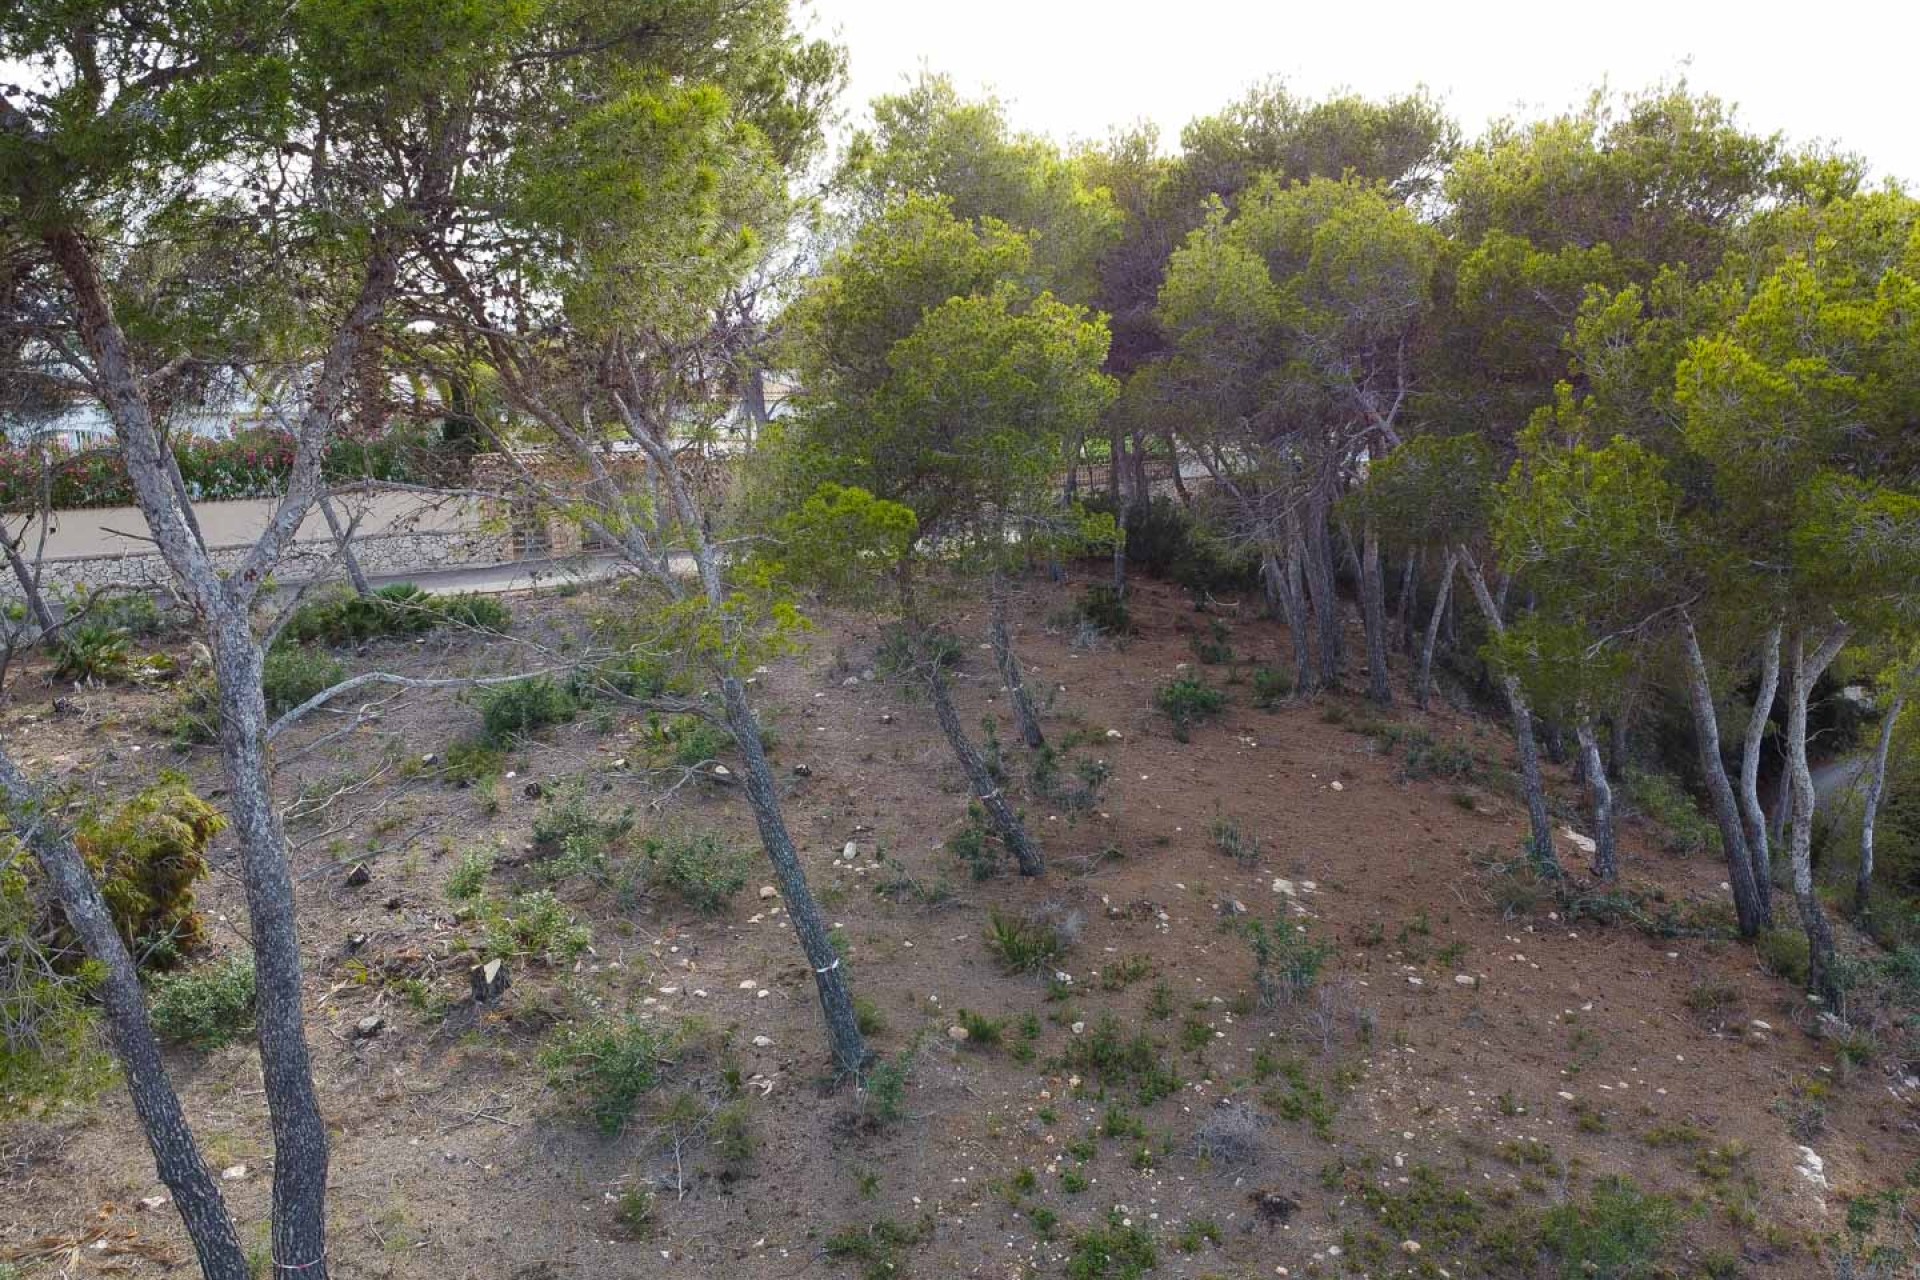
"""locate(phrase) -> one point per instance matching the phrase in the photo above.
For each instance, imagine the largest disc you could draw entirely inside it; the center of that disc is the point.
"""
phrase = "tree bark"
(1425, 683)
(1606, 863)
(1758, 850)
(1750, 909)
(1876, 785)
(1539, 822)
(829, 978)
(1373, 609)
(1806, 671)
(29, 581)
(1320, 587)
(1403, 609)
(1012, 832)
(299, 1129)
(176, 1156)
(1299, 624)
(1004, 657)
(342, 538)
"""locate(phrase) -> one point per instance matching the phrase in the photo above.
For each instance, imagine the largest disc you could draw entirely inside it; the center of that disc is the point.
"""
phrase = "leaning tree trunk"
(1539, 822)
(1876, 786)
(1425, 682)
(1758, 850)
(1750, 908)
(1116, 448)
(1403, 610)
(29, 581)
(1004, 657)
(1320, 587)
(1821, 980)
(1373, 609)
(1013, 833)
(343, 540)
(829, 979)
(176, 1156)
(1606, 863)
(299, 1129)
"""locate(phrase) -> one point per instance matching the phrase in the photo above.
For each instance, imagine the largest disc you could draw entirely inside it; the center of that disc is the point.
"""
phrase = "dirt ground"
(1469, 1056)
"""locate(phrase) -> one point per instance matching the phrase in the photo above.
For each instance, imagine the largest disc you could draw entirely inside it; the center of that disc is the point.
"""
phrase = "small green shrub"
(1684, 829)
(534, 925)
(469, 761)
(147, 856)
(469, 878)
(982, 1032)
(977, 845)
(1105, 610)
(207, 1006)
(473, 611)
(290, 676)
(1187, 700)
(1117, 1251)
(1271, 687)
(1287, 960)
(1023, 945)
(401, 609)
(1783, 953)
(1107, 1053)
(702, 870)
(94, 652)
(603, 1068)
(523, 707)
(1618, 1233)
(1075, 792)
(1229, 838)
(880, 1248)
(634, 1212)
(1215, 648)
(883, 1094)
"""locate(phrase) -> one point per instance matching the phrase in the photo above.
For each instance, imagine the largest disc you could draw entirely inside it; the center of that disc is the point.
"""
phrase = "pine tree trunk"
(1299, 624)
(1320, 587)
(1440, 601)
(1007, 823)
(351, 562)
(1876, 786)
(1539, 822)
(1606, 863)
(1116, 448)
(1403, 610)
(1806, 669)
(829, 978)
(1004, 657)
(176, 1156)
(1758, 851)
(1373, 608)
(1750, 909)
(299, 1129)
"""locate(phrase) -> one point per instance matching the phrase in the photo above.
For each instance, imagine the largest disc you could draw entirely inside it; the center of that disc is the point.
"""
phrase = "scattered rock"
(956, 1033)
(1409, 1247)
(356, 941)
(1584, 844)
(360, 873)
(489, 981)
(1812, 1168)
(1284, 887)
(1233, 907)
(368, 1027)
(768, 893)
(1114, 733)
(721, 771)
(1465, 979)
(533, 791)
(1336, 785)
(763, 1042)
(803, 771)
(233, 1173)
(430, 758)
(152, 1202)
(886, 717)
(850, 850)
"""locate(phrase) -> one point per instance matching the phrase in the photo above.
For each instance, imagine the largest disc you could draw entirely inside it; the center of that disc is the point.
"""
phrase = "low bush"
(1118, 1251)
(1617, 1233)
(1023, 945)
(147, 856)
(535, 926)
(290, 676)
(1287, 960)
(49, 1053)
(1684, 829)
(603, 1068)
(1107, 1053)
(1105, 610)
(1271, 687)
(521, 708)
(207, 1006)
(1231, 839)
(1187, 700)
(702, 870)
(94, 652)
(401, 609)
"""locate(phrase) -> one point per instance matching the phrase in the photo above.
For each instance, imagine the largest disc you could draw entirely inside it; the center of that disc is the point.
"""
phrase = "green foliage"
(1117, 1251)
(207, 1006)
(469, 878)
(1287, 960)
(1074, 792)
(49, 1053)
(522, 708)
(1271, 687)
(469, 761)
(1617, 1233)
(603, 1068)
(880, 1248)
(147, 856)
(535, 926)
(703, 870)
(978, 845)
(1105, 610)
(291, 675)
(1188, 699)
(95, 652)
(1684, 828)
(1783, 953)
(1105, 1052)
(1216, 646)
(1231, 839)
(1024, 945)
(399, 609)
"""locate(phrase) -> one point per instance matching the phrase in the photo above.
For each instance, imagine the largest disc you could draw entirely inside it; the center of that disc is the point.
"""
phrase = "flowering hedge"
(252, 464)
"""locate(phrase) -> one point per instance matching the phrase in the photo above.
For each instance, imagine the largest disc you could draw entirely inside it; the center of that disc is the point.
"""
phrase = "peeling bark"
(1750, 909)
(1806, 669)
(1440, 601)
(1758, 850)
(1605, 860)
(1876, 786)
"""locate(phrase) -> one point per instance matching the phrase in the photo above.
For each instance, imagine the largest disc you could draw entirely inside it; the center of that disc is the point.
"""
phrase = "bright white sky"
(1838, 70)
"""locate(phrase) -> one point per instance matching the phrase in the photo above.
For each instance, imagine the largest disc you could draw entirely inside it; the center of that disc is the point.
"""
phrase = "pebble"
(768, 893)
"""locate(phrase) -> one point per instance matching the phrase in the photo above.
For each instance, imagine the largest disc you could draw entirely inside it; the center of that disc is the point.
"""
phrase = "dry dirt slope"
(1469, 1058)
